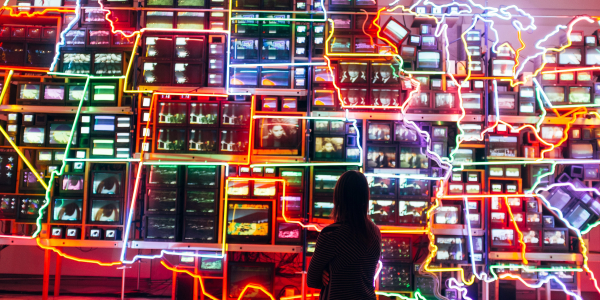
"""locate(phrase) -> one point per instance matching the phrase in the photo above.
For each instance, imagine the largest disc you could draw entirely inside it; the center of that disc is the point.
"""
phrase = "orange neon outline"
(38, 13)
(514, 222)
(198, 276)
(84, 260)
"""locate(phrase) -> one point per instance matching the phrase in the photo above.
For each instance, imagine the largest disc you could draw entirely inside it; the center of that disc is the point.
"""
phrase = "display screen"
(395, 31)
(323, 75)
(412, 158)
(275, 77)
(412, 212)
(54, 92)
(161, 228)
(29, 92)
(323, 98)
(429, 59)
(201, 176)
(199, 229)
(414, 187)
(34, 135)
(580, 94)
(353, 72)
(503, 237)
(444, 100)
(379, 132)
(552, 133)
(503, 67)
(293, 178)
(241, 275)
(471, 100)
(162, 201)
(582, 151)
(447, 215)
(288, 231)
(72, 182)
(28, 207)
(382, 212)
(451, 248)
(555, 237)
(211, 263)
(200, 201)
(67, 209)
(248, 219)
(578, 216)
(238, 188)
(60, 134)
(381, 157)
(163, 175)
(106, 210)
(570, 56)
(382, 186)
(106, 183)
(104, 123)
(592, 56)
(278, 133)
(329, 148)
(265, 188)
(322, 209)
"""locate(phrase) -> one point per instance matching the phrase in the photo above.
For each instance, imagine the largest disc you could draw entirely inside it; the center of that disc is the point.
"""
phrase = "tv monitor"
(8, 206)
(279, 78)
(200, 202)
(160, 228)
(570, 57)
(323, 75)
(264, 189)
(380, 132)
(578, 216)
(33, 136)
(294, 178)
(382, 187)
(188, 74)
(557, 197)
(242, 274)
(293, 205)
(199, 229)
(381, 156)
(103, 94)
(105, 211)
(161, 201)
(288, 233)
(156, 73)
(201, 176)
(394, 248)
(353, 73)
(448, 214)
(555, 239)
(382, 212)
(323, 99)
(29, 182)
(189, 48)
(403, 134)
(321, 209)
(445, 101)
(67, 210)
(162, 175)
(408, 52)
(503, 146)
(107, 183)
(211, 264)
(451, 249)
(54, 94)
(582, 150)
(502, 238)
(71, 184)
(59, 133)
(502, 67)
(28, 207)
(592, 56)
(245, 49)
(329, 148)
(394, 31)
(413, 188)
(412, 212)
(28, 93)
(552, 133)
(395, 277)
(278, 135)
(103, 125)
(249, 222)
(580, 94)
(429, 60)
(413, 158)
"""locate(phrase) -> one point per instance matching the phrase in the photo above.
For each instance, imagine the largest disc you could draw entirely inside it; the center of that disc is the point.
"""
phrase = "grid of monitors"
(202, 127)
(186, 199)
(396, 145)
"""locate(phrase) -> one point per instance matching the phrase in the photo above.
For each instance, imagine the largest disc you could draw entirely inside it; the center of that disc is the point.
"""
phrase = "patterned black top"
(351, 264)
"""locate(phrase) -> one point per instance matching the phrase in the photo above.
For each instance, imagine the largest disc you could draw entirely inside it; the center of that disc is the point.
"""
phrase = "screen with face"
(381, 157)
(278, 133)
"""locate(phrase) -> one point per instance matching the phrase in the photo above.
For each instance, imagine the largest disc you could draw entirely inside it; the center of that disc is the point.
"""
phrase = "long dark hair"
(351, 203)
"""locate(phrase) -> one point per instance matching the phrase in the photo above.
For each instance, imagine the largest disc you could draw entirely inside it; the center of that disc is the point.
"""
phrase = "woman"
(347, 252)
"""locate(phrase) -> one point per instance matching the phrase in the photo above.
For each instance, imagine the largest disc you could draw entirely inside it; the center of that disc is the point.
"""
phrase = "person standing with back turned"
(347, 252)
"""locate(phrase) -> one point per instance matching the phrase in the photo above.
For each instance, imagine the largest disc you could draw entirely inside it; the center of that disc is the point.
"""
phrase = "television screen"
(502, 67)
(395, 32)
(340, 44)
(428, 59)
(189, 48)
(578, 94)
(451, 248)
(200, 201)
(444, 100)
(328, 148)
(324, 182)
(384, 73)
(275, 77)
(245, 48)
(412, 158)
(172, 113)
(104, 123)
(34, 135)
(104, 93)
(578, 216)
(322, 209)
(555, 237)
(570, 56)
(7, 205)
(293, 205)
(379, 132)
(293, 178)
(106, 183)
(202, 140)
(353, 72)
(246, 219)
(552, 133)
(72, 182)
(582, 151)
(106, 210)
(240, 275)
(414, 187)
(558, 198)
(471, 100)
(29, 92)
(592, 56)
(204, 113)
(448, 215)
(211, 263)
(323, 75)
(278, 133)
(157, 73)
(381, 157)
(323, 98)
(379, 186)
(412, 212)
(288, 231)
(504, 146)
(357, 96)
(238, 188)
(67, 209)
(163, 175)
(186, 73)
(405, 134)
(28, 207)
(162, 201)
(265, 188)
(54, 92)
(60, 134)
(382, 212)
(199, 229)
(201, 176)
(159, 227)
(503, 238)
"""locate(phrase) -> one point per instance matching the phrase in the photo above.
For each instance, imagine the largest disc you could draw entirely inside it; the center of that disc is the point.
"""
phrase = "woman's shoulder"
(332, 227)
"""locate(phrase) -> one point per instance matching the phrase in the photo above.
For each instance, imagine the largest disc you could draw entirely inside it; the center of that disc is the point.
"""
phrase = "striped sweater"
(351, 265)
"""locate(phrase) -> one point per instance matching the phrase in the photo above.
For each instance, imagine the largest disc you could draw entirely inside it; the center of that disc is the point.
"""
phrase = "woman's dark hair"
(351, 203)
